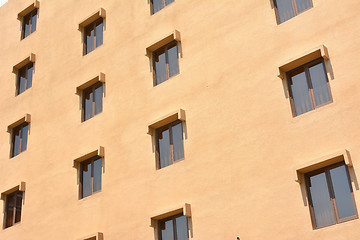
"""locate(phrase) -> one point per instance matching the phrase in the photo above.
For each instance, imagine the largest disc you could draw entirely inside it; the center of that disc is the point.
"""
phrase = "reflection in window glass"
(173, 228)
(86, 179)
(164, 148)
(92, 101)
(93, 35)
(91, 171)
(29, 24)
(24, 78)
(160, 66)
(99, 33)
(178, 143)
(173, 60)
(319, 84)
(19, 139)
(300, 93)
(165, 62)
(97, 174)
(287, 9)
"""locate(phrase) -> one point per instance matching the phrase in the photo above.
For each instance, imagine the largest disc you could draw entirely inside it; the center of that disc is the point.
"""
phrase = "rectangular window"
(165, 62)
(169, 144)
(173, 228)
(93, 35)
(92, 100)
(13, 205)
(157, 5)
(309, 87)
(286, 9)
(24, 78)
(29, 23)
(90, 176)
(330, 195)
(19, 139)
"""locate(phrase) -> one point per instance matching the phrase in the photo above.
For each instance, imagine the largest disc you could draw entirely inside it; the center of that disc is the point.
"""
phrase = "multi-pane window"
(286, 9)
(29, 23)
(173, 228)
(92, 100)
(165, 62)
(169, 144)
(24, 78)
(93, 35)
(309, 87)
(90, 176)
(157, 5)
(13, 205)
(19, 139)
(330, 195)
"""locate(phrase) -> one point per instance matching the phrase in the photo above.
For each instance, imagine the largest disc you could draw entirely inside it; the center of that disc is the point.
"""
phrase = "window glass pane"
(33, 21)
(10, 207)
(177, 139)
(86, 179)
(18, 207)
(22, 80)
(99, 33)
(300, 93)
(26, 26)
(167, 2)
(98, 99)
(285, 10)
(164, 148)
(181, 228)
(168, 232)
(16, 141)
(24, 136)
(173, 60)
(157, 5)
(88, 104)
(303, 5)
(160, 66)
(29, 76)
(319, 82)
(321, 200)
(344, 200)
(97, 174)
(89, 38)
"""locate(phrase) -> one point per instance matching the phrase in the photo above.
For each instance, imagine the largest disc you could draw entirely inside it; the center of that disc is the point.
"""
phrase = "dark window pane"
(167, 2)
(99, 33)
(320, 84)
(22, 80)
(24, 136)
(342, 191)
(18, 207)
(181, 228)
(29, 76)
(89, 38)
(321, 200)
(97, 174)
(178, 145)
(33, 21)
(10, 207)
(26, 26)
(173, 60)
(98, 99)
(86, 179)
(160, 66)
(303, 5)
(164, 148)
(88, 104)
(157, 5)
(285, 10)
(167, 230)
(16, 141)
(300, 93)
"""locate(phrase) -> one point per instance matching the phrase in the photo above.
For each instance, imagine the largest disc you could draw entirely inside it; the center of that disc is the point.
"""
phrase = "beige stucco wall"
(242, 144)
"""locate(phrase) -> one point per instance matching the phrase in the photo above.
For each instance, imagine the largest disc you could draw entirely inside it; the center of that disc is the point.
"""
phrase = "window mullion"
(174, 228)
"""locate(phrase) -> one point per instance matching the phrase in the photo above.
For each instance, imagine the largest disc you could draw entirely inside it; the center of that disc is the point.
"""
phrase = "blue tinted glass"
(24, 137)
(86, 179)
(26, 26)
(300, 93)
(320, 84)
(160, 67)
(178, 145)
(303, 5)
(33, 22)
(98, 99)
(16, 141)
(88, 104)
(181, 228)
(157, 5)
(285, 10)
(167, 2)
(97, 174)
(173, 60)
(164, 148)
(99, 33)
(29, 76)
(89, 39)
(22, 80)
(167, 233)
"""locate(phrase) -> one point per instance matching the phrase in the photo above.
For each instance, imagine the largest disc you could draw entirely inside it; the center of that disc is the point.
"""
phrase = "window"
(173, 228)
(309, 87)
(157, 5)
(29, 23)
(165, 62)
(169, 144)
(286, 9)
(330, 195)
(19, 139)
(96, 236)
(13, 205)
(90, 176)
(93, 35)
(24, 78)
(92, 100)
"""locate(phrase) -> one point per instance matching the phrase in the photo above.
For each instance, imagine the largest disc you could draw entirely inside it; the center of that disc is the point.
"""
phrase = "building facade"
(180, 119)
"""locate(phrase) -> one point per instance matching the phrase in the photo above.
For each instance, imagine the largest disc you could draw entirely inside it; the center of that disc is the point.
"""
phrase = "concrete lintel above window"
(34, 5)
(308, 56)
(171, 117)
(95, 236)
(30, 58)
(98, 152)
(174, 35)
(25, 118)
(101, 13)
(20, 187)
(339, 156)
(184, 209)
(98, 78)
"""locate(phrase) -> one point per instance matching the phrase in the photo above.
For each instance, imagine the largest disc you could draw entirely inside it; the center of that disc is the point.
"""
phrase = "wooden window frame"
(154, 55)
(21, 126)
(24, 68)
(163, 6)
(92, 89)
(14, 208)
(326, 170)
(30, 15)
(305, 68)
(92, 24)
(82, 163)
(294, 6)
(159, 222)
(157, 153)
